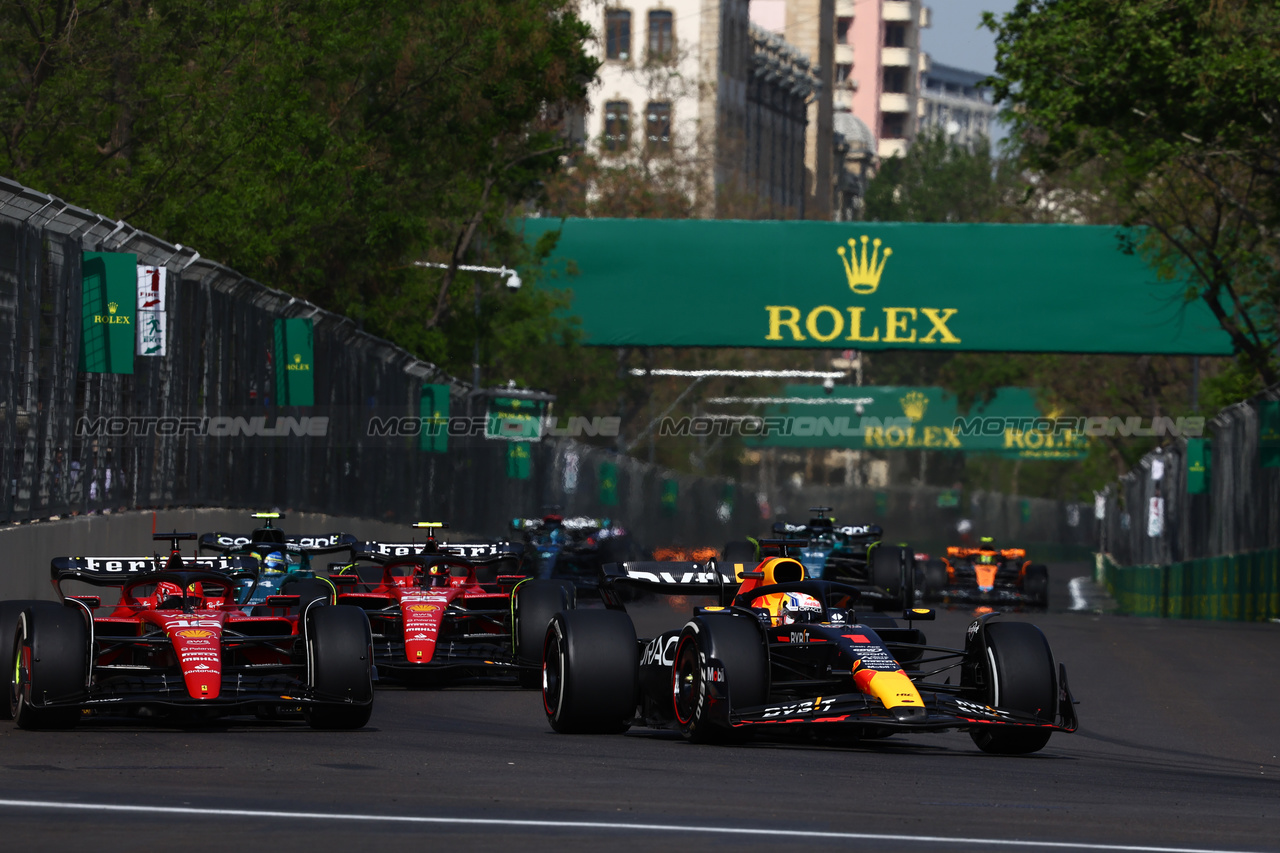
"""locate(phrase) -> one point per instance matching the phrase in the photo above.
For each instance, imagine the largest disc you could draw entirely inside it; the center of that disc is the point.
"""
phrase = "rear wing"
(467, 550)
(326, 543)
(860, 530)
(113, 571)
(666, 578)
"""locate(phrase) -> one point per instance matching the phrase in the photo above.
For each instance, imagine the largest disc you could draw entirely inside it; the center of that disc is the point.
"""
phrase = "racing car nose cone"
(907, 715)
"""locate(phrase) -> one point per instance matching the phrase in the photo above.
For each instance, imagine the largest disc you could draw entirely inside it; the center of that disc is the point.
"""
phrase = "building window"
(895, 35)
(617, 125)
(842, 30)
(657, 126)
(895, 79)
(843, 70)
(617, 34)
(893, 125)
(662, 43)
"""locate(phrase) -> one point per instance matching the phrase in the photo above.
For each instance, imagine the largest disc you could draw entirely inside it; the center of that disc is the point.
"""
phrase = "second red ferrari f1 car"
(780, 651)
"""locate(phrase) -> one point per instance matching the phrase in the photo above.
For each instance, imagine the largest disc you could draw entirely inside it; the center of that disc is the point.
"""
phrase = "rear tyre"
(1020, 676)
(886, 569)
(590, 670)
(10, 611)
(739, 644)
(1035, 586)
(935, 579)
(533, 604)
(340, 667)
(50, 664)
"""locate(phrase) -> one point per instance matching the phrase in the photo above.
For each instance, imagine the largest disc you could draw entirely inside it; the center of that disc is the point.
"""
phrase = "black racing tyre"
(935, 579)
(51, 663)
(886, 569)
(9, 613)
(590, 672)
(1035, 585)
(339, 667)
(532, 606)
(1021, 676)
(308, 590)
(739, 644)
(740, 551)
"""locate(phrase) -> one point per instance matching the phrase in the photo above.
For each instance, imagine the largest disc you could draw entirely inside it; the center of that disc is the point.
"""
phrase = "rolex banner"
(873, 286)
(109, 309)
(886, 417)
(295, 363)
(434, 404)
(1197, 466)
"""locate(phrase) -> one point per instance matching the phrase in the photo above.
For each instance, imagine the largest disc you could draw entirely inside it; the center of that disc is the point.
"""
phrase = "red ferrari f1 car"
(178, 643)
(783, 652)
(435, 621)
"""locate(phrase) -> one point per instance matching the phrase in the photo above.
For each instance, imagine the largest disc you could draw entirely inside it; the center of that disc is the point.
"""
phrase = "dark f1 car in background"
(852, 553)
(573, 549)
(986, 575)
(493, 557)
(178, 644)
(434, 621)
(783, 652)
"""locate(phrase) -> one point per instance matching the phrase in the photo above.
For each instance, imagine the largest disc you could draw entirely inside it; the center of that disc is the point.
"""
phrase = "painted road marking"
(598, 825)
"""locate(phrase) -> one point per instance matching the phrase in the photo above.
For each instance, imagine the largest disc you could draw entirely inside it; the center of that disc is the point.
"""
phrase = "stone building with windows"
(956, 102)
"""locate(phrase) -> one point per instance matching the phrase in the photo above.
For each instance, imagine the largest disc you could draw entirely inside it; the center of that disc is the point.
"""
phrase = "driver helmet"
(168, 596)
(274, 562)
(437, 576)
(799, 607)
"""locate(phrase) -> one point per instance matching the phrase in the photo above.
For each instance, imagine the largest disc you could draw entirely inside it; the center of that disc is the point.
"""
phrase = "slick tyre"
(339, 667)
(1035, 586)
(50, 664)
(739, 644)
(533, 604)
(9, 613)
(1020, 676)
(590, 670)
(886, 569)
(935, 579)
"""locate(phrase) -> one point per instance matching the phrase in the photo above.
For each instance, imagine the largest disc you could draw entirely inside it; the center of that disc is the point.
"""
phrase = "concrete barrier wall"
(26, 549)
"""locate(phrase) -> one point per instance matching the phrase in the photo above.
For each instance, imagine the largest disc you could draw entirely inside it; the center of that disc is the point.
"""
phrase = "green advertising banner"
(872, 286)
(670, 496)
(1269, 434)
(295, 363)
(519, 460)
(108, 309)
(889, 417)
(514, 419)
(608, 484)
(434, 404)
(1198, 451)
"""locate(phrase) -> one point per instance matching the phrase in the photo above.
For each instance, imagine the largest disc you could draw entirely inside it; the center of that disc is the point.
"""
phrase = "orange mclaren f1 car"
(986, 575)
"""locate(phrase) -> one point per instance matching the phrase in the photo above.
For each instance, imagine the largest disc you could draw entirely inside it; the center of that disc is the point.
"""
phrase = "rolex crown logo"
(864, 273)
(112, 306)
(297, 358)
(913, 405)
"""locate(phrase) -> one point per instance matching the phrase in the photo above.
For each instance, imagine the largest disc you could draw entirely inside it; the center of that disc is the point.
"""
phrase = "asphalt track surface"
(1180, 729)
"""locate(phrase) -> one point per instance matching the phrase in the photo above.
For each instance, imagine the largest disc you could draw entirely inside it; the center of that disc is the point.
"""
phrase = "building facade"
(956, 102)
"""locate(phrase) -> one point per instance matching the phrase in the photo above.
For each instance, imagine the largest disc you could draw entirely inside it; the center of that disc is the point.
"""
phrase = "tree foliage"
(319, 146)
(1175, 106)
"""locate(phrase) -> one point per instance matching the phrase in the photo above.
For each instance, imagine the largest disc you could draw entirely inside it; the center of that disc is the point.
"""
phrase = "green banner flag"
(514, 419)
(1198, 454)
(608, 484)
(109, 308)
(519, 460)
(873, 286)
(295, 363)
(434, 405)
(670, 496)
(1269, 434)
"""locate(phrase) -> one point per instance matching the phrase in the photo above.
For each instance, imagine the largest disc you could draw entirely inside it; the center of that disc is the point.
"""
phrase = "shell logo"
(194, 634)
(423, 608)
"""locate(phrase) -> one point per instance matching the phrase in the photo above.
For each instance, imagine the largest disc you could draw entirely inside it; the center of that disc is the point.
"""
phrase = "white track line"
(192, 811)
(1078, 600)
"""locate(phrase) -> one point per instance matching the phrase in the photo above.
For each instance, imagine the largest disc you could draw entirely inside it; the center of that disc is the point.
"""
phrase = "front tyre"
(10, 612)
(340, 667)
(739, 645)
(50, 664)
(590, 671)
(1035, 586)
(1019, 675)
